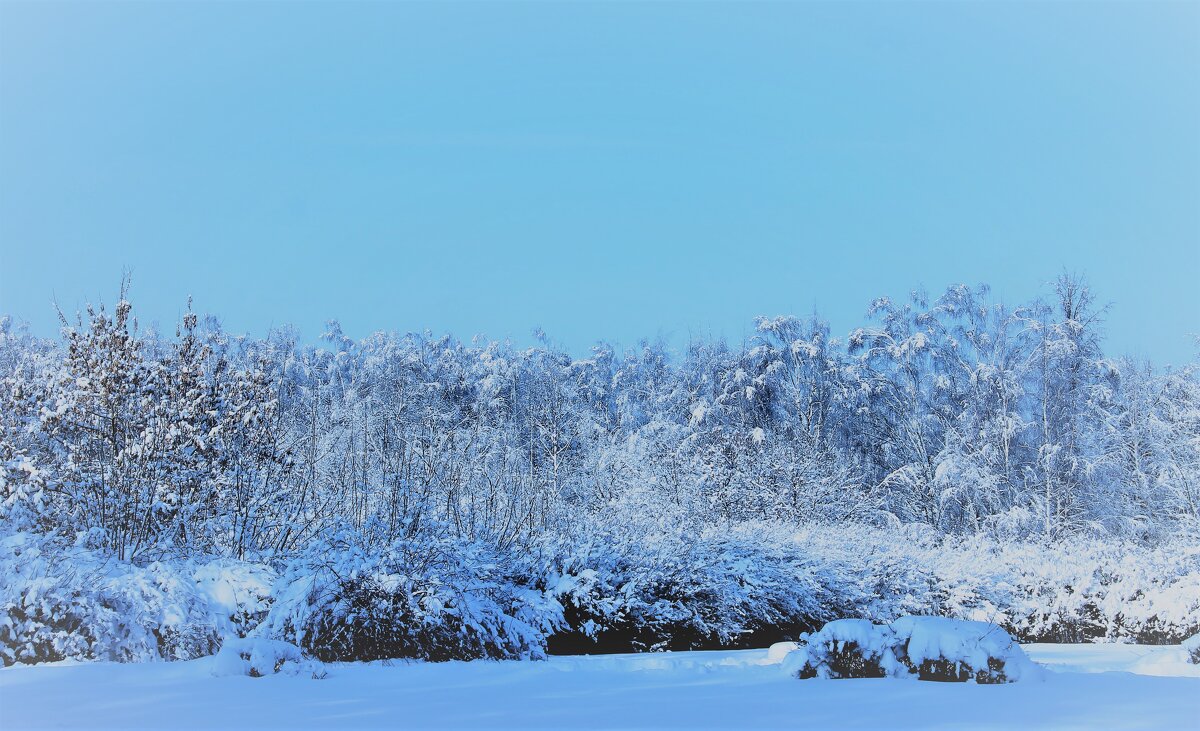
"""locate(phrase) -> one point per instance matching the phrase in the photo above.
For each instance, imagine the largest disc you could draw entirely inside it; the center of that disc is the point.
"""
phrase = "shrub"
(627, 592)
(428, 597)
(1192, 647)
(60, 601)
(928, 648)
(844, 648)
(258, 657)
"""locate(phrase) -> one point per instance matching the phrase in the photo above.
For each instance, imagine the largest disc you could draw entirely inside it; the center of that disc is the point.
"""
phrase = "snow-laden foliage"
(953, 457)
(238, 593)
(437, 597)
(928, 648)
(1192, 647)
(1075, 590)
(1070, 590)
(434, 598)
(756, 583)
(657, 591)
(59, 602)
(256, 657)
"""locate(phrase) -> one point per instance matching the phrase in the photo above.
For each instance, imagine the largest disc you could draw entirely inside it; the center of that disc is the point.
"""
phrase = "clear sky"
(604, 171)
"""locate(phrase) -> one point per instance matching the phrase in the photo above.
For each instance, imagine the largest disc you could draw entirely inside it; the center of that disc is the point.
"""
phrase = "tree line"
(956, 413)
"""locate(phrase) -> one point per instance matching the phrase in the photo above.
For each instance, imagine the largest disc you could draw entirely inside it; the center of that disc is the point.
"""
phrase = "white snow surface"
(1086, 687)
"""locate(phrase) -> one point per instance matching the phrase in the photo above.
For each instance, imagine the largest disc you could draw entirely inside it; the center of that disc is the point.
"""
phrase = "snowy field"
(1088, 687)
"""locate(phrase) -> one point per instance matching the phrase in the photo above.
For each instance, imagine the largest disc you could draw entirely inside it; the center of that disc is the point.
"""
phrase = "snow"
(778, 651)
(235, 587)
(1094, 686)
(1170, 660)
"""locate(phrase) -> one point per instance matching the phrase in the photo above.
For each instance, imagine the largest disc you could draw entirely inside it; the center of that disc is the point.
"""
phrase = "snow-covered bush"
(939, 648)
(1073, 590)
(238, 593)
(431, 597)
(1192, 647)
(928, 648)
(257, 657)
(61, 601)
(44, 615)
(755, 583)
(871, 573)
(745, 586)
(845, 648)
(67, 602)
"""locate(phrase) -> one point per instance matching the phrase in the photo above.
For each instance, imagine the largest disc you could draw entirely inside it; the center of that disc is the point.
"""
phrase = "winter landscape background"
(419, 497)
(647, 495)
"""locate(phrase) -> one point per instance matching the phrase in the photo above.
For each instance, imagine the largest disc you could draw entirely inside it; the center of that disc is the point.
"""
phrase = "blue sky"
(604, 171)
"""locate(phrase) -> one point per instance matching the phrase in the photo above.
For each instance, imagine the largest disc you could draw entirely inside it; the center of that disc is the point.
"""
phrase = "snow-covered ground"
(1088, 687)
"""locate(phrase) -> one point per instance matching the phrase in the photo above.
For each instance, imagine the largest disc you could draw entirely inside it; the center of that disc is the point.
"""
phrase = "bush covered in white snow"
(928, 648)
(752, 584)
(256, 657)
(636, 591)
(596, 589)
(1192, 646)
(1074, 590)
(428, 596)
(61, 601)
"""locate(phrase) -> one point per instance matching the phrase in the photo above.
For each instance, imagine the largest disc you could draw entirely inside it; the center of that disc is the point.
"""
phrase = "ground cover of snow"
(1101, 686)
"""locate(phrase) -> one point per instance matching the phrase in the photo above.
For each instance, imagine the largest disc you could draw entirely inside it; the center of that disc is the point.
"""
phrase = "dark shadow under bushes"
(625, 637)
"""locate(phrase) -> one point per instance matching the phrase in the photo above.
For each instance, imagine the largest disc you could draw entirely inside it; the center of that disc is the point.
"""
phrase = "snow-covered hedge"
(1074, 591)
(928, 648)
(635, 591)
(432, 597)
(63, 601)
(595, 589)
(756, 583)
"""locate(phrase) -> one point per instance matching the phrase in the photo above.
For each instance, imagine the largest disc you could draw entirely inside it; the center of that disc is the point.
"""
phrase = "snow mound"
(780, 650)
(1192, 646)
(256, 657)
(927, 648)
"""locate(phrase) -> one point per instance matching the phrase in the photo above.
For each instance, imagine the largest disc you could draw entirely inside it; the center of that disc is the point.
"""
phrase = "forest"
(426, 497)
